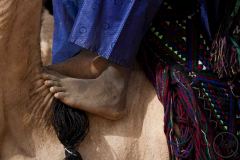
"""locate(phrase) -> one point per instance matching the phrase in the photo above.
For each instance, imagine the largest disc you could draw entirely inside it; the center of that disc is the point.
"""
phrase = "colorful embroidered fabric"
(202, 108)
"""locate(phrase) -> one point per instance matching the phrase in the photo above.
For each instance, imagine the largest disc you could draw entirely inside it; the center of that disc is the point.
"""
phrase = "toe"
(66, 99)
(50, 83)
(49, 76)
(60, 95)
(56, 89)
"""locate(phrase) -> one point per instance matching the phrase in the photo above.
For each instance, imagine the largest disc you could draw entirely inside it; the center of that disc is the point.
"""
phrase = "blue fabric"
(111, 28)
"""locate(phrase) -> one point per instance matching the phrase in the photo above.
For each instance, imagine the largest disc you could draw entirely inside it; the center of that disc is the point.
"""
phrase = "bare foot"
(85, 65)
(104, 96)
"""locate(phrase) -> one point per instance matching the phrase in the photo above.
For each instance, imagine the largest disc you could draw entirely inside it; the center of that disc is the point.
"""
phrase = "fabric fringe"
(225, 57)
(183, 120)
(225, 52)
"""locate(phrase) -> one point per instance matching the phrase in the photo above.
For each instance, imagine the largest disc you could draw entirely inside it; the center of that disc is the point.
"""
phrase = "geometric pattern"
(180, 39)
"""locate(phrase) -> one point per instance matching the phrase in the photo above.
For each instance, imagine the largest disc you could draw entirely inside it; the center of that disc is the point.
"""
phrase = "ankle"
(98, 65)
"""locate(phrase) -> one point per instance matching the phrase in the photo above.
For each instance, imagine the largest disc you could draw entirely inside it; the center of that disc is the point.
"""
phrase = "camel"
(46, 36)
(25, 133)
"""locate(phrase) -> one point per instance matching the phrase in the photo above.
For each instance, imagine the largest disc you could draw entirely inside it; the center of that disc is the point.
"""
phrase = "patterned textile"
(202, 108)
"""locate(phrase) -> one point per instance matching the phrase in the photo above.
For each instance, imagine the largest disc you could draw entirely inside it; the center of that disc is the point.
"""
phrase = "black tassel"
(71, 126)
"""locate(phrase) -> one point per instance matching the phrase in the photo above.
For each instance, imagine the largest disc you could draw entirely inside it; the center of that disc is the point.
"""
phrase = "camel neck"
(20, 63)
(20, 28)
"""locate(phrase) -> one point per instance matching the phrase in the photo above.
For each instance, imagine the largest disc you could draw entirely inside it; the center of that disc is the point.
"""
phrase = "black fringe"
(71, 126)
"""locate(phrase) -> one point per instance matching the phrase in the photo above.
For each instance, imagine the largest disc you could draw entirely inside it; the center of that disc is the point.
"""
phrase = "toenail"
(52, 89)
(47, 82)
(56, 95)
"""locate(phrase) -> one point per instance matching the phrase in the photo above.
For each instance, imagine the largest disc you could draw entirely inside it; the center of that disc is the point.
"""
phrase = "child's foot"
(104, 96)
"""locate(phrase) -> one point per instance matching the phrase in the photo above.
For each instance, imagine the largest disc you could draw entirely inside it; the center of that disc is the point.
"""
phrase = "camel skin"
(25, 105)
(46, 35)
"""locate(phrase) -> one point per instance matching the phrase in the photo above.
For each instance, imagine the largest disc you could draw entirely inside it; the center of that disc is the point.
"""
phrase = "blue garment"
(111, 28)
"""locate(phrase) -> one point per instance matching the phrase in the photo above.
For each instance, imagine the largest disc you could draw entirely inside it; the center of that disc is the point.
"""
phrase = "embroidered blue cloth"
(111, 28)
